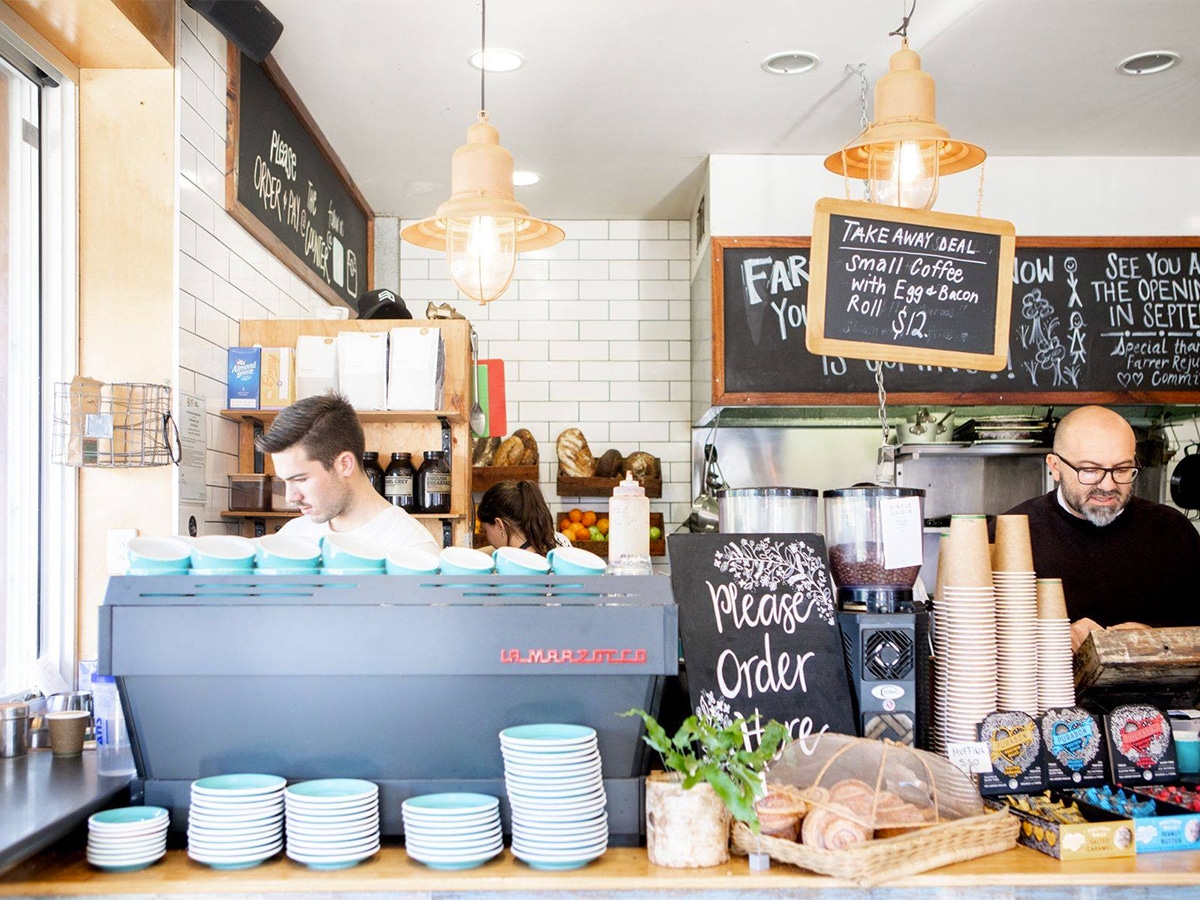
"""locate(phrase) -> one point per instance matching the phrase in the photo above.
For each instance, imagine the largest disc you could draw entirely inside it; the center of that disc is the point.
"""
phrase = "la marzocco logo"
(581, 657)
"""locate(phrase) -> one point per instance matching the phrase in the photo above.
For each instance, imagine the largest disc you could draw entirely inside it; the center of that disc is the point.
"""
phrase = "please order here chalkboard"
(1094, 320)
(758, 622)
(286, 186)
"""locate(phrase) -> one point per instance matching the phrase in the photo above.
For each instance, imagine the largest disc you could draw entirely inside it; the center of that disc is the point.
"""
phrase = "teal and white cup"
(222, 554)
(412, 561)
(159, 556)
(515, 561)
(464, 561)
(345, 555)
(284, 553)
(575, 561)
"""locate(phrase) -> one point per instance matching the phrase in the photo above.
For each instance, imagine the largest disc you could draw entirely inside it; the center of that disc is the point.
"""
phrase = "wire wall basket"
(114, 426)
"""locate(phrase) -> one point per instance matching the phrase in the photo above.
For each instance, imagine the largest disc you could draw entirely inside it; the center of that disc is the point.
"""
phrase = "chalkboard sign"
(1112, 320)
(285, 185)
(759, 629)
(911, 287)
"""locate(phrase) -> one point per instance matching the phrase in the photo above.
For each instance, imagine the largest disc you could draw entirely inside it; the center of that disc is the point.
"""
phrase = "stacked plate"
(556, 793)
(332, 823)
(1055, 664)
(235, 821)
(128, 839)
(452, 831)
(1016, 651)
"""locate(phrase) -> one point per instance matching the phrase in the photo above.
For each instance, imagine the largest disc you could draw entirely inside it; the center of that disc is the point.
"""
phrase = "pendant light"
(482, 227)
(904, 152)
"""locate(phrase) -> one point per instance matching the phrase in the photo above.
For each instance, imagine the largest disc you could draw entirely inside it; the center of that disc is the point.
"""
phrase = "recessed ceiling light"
(496, 60)
(1148, 63)
(791, 62)
(524, 178)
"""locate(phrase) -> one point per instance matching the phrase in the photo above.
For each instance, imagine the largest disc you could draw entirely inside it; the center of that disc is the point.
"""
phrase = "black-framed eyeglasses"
(1095, 474)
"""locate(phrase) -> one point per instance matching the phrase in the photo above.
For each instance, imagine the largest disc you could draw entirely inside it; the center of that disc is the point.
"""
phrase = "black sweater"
(1142, 567)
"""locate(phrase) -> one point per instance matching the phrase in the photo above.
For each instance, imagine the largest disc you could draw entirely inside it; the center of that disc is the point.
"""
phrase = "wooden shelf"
(483, 477)
(364, 415)
(292, 514)
(570, 486)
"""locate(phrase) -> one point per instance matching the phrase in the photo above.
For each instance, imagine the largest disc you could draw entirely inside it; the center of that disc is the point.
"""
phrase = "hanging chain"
(861, 71)
(902, 31)
(883, 418)
(483, 55)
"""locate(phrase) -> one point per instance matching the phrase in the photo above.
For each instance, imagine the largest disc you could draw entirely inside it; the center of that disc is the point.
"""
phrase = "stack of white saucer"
(332, 823)
(127, 839)
(452, 831)
(1055, 660)
(235, 821)
(556, 792)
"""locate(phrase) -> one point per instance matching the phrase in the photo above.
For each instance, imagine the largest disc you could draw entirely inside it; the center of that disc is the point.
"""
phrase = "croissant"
(831, 829)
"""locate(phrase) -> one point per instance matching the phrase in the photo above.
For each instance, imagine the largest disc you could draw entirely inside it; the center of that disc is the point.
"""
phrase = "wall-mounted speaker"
(247, 24)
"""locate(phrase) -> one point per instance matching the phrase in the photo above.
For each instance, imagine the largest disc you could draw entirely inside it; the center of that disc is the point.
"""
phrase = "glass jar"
(398, 481)
(433, 483)
(370, 464)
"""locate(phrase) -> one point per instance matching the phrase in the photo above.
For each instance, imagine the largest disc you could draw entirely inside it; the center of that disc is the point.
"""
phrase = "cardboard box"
(362, 368)
(1173, 827)
(316, 366)
(278, 384)
(244, 380)
(416, 369)
(1104, 835)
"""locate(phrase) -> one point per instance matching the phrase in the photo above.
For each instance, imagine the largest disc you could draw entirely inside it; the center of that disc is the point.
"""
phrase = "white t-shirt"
(392, 529)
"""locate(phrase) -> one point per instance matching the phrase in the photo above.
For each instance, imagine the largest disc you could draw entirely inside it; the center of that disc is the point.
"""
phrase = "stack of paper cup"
(964, 632)
(1016, 616)
(1056, 678)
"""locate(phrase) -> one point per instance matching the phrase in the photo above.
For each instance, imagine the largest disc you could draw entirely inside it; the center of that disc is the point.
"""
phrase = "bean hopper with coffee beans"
(874, 536)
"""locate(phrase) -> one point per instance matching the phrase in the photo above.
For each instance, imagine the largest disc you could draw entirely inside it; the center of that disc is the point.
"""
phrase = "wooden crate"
(483, 477)
(1157, 664)
(600, 548)
(570, 486)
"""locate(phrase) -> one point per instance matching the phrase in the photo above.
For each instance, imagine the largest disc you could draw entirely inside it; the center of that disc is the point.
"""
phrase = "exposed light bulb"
(903, 173)
(482, 254)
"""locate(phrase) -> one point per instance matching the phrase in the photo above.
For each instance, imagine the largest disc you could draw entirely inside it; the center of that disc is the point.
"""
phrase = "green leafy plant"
(702, 751)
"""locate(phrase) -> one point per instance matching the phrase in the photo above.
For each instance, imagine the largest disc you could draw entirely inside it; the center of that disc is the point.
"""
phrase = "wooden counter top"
(65, 871)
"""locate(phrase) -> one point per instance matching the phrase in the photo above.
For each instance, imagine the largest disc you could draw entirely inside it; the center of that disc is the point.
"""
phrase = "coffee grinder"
(874, 536)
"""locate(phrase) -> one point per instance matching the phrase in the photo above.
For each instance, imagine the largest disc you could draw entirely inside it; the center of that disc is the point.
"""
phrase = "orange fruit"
(575, 515)
(589, 518)
(602, 524)
(565, 524)
(581, 532)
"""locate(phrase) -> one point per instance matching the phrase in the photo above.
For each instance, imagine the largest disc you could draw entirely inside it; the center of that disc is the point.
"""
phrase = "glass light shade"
(482, 254)
(903, 173)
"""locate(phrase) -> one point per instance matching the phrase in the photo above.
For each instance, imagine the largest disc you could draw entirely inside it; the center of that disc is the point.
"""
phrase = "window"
(37, 340)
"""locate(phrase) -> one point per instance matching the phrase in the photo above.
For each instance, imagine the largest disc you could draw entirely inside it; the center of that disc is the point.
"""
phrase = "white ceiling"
(621, 101)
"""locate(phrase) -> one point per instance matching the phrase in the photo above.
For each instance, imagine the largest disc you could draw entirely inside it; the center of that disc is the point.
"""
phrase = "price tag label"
(900, 518)
(971, 757)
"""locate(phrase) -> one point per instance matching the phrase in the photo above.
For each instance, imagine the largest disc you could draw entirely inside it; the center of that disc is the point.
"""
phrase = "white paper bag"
(316, 366)
(362, 368)
(416, 369)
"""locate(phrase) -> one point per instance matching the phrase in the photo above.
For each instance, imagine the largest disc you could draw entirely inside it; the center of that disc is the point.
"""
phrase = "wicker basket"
(874, 862)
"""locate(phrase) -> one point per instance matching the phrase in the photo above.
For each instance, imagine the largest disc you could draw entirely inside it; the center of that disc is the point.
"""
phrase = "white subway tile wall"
(595, 332)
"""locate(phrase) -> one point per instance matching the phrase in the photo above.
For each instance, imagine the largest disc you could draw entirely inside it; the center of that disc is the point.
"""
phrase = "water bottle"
(629, 529)
(114, 756)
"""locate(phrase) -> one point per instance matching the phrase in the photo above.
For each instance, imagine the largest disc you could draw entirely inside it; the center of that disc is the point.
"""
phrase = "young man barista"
(1125, 562)
(316, 446)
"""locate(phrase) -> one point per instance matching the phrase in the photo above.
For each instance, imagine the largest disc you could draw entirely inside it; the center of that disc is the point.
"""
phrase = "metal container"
(770, 510)
(65, 700)
(14, 729)
(857, 523)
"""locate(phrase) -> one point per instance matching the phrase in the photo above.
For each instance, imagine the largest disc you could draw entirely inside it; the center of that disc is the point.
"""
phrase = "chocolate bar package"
(1140, 747)
(1073, 744)
(1015, 745)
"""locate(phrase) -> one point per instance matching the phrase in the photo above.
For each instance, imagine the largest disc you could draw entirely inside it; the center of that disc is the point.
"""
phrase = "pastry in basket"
(529, 456)
(574, 456)
(833, 827)
(510, 451)
(780, 811)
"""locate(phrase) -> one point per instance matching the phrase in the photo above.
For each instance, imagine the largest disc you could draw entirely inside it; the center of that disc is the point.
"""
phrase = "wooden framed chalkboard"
(1111, 320)
(758, 622)
(909, 286)
(286, 186)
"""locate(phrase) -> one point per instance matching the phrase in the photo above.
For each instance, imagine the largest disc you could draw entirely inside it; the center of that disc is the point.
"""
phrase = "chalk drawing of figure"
(1076, 334)
(1072, 267)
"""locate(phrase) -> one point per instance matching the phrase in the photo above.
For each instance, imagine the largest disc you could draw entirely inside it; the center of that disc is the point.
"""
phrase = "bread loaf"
(529, 456)
(611, 464)
(484, 451)
(574, 456)
(510, 451)
(643, 465)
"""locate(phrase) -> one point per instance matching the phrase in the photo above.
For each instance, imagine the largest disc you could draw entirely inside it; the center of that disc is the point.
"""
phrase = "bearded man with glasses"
(1125, 562)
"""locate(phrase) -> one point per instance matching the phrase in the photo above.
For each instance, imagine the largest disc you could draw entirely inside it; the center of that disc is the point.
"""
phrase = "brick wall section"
(595, 334)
